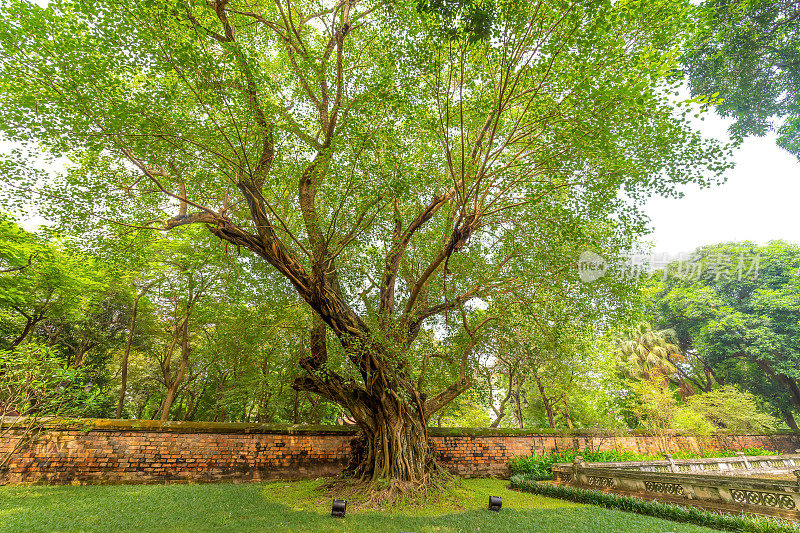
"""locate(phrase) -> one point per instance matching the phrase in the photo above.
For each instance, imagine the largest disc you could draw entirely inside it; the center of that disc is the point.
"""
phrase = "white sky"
(759, 202)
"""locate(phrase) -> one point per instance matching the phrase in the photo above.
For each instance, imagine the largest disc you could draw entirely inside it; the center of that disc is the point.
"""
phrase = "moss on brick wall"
(101, 424)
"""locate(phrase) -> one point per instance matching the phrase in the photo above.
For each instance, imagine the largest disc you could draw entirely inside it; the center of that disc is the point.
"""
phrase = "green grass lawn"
(295, 506)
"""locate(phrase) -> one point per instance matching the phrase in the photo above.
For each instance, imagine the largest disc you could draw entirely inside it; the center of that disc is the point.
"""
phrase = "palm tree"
(648, 354)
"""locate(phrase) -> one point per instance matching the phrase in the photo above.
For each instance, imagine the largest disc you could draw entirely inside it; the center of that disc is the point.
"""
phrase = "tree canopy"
(402, 180)
(746, 58)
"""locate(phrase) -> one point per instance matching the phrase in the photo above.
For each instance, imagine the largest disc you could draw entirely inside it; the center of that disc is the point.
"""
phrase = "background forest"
(157, 328)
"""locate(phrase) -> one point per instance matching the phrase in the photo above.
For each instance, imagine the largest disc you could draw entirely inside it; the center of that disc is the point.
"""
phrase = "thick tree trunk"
(391, 411)
(794, 390)
(395, 444)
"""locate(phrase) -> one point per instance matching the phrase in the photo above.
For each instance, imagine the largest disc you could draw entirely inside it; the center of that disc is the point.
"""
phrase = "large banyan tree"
(404, 165)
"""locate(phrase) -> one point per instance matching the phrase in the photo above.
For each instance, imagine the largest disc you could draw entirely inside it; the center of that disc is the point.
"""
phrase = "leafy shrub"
(728, 408)
(34, 387)
(34, 383)
(667, 511)
(693, 422)
(539, 467)
(758, 451)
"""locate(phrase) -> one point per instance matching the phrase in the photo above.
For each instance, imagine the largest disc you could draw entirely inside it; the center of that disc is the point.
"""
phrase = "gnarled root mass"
(392, 445)
(387, 493)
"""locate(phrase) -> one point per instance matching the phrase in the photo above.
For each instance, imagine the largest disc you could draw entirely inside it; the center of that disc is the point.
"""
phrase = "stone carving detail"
(665, 488)
(767, 499)
(600, 481)
(566, 477)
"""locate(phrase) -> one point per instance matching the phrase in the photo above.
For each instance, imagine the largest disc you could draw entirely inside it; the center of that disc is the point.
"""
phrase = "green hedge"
(692, 515)
(538, 467)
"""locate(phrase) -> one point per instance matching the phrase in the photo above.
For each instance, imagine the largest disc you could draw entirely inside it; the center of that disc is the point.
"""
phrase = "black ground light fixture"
(339, 508)
(495, 503)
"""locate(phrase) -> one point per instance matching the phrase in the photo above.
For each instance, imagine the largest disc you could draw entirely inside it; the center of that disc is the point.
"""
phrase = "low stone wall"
(748, 484)
(123, 451)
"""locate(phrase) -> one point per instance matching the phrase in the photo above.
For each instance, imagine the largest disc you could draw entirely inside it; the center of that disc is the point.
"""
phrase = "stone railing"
(739, 465)
(736, 484)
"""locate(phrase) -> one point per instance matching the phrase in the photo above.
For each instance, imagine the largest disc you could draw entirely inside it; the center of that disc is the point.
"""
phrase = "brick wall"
(487, 455)
(107, 451)
(173, 454)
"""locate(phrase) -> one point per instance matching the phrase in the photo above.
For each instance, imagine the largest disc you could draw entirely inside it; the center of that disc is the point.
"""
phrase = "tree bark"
(173, 390)
(25, 331)
(790, 420)
(393, 418)
(125, 356)
(788, 383)
(500, 412)
(30, 323)
(548, 407)
(390, 409)
(567, 415)
(396, 444)
(518, 398)
(80, 353)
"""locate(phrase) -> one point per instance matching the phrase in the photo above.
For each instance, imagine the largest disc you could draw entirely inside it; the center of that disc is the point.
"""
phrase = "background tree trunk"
(125, 356)
(173, 389)
(128, 345)
(790, 420)
(518, 400)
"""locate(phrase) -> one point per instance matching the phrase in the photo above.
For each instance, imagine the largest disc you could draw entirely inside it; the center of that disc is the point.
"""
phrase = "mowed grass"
(297, 506)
